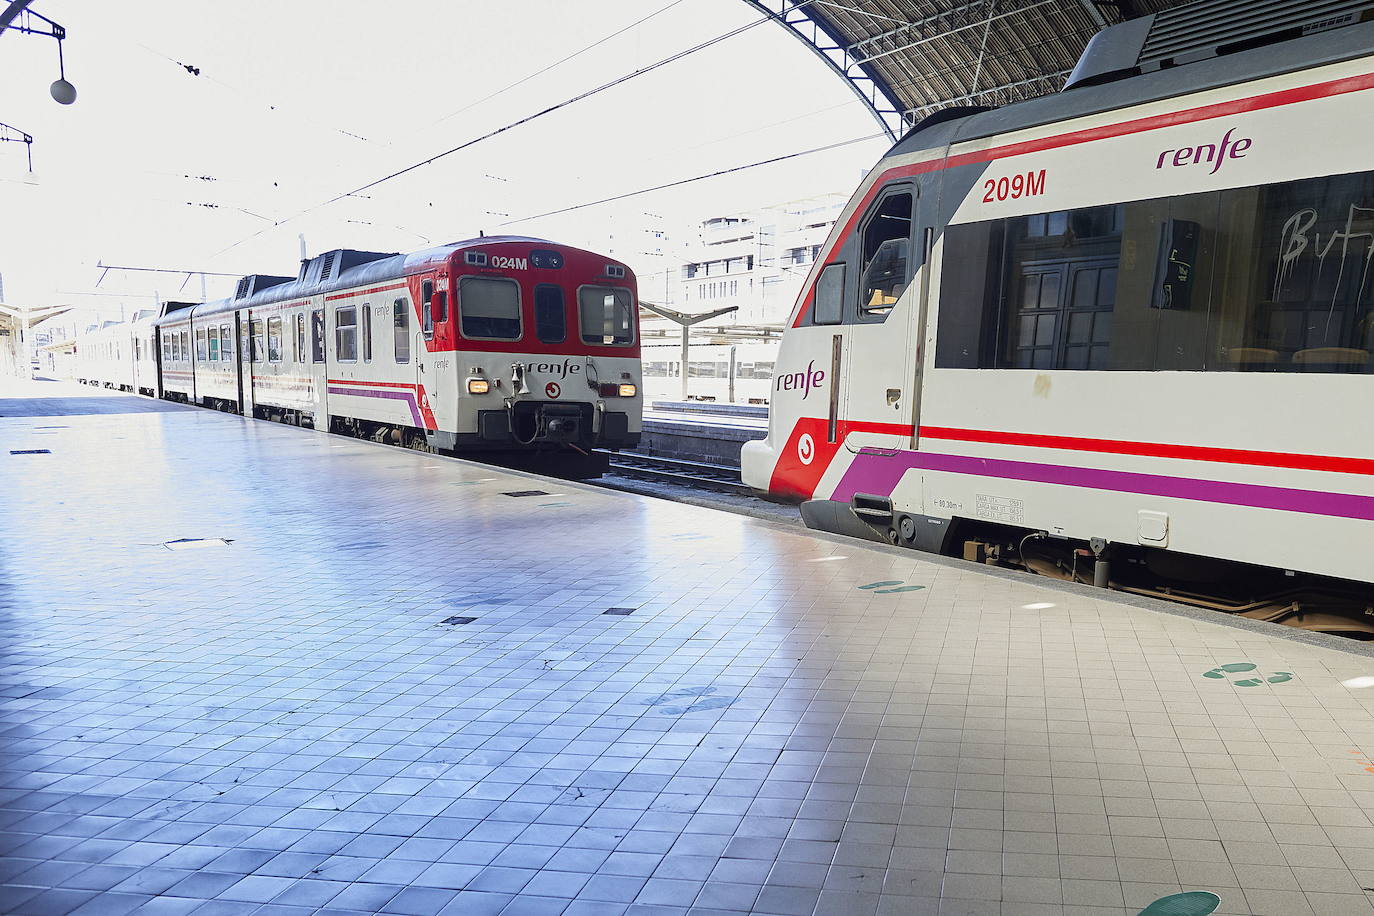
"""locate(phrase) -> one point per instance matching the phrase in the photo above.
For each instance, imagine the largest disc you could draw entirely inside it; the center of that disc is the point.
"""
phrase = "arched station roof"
(907, 58)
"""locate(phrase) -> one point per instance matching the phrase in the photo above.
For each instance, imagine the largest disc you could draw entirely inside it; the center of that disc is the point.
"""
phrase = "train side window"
(886, 255)
(346, 334)
(212, 340)
(317, 335)
(829, 304)
(274, 347)
(258, 349)
(186, 345)
(226, 343)
(367, 333)
(400, 330)
(606, 315)
(300, 337)
(426, 307)
(201, 350)
(166, 348)
(550, 315)
(489, 308)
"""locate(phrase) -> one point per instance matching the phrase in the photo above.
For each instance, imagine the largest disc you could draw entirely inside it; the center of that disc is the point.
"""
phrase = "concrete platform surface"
(408, 684)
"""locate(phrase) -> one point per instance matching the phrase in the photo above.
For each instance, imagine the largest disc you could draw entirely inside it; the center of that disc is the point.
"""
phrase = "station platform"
(705, 432)
(248, 668)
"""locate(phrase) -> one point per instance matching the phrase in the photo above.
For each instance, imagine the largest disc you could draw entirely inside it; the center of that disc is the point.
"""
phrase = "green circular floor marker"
(882, 584)
(1233, 668)
(1192, 903)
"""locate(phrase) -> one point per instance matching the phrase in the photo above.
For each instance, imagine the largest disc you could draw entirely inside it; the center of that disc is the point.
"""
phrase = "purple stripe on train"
(407, 396)
(878, 473)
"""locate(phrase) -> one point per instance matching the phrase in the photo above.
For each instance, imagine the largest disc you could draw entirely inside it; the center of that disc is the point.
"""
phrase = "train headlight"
(628, 391)
(478, 386)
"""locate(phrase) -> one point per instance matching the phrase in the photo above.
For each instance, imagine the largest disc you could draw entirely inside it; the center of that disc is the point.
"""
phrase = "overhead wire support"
(6, 132)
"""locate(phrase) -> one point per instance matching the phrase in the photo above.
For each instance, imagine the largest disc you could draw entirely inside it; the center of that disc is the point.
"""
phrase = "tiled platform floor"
(288, 725)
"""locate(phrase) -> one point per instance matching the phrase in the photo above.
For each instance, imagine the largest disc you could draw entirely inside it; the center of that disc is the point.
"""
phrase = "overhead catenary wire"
(620, 80)
(558, 63)
(684, 181)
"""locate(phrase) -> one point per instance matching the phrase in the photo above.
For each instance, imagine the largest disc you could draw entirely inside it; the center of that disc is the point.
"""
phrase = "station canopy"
(908, 58)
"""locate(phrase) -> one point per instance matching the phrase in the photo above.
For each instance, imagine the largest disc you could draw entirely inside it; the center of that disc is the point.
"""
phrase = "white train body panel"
(1241, 434)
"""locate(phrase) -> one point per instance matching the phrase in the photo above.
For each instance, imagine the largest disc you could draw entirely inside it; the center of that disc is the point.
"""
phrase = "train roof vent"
(170, 307)
(256, 283)
(1206, 29)
(327, 261)
(349, 257)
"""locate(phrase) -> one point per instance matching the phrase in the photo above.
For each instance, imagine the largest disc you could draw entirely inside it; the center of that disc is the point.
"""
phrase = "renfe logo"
(807, 380)
(1216, 153)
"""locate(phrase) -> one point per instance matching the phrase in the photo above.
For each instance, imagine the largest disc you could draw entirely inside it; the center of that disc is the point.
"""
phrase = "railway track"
(718, 477)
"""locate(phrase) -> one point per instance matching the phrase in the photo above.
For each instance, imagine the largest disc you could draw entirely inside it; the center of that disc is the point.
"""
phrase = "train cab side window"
(489, 308)
(346, 334)
(400, 330)
(886, 255)
(367, 333)
(550, 316)
(317, 335)
(829, 304)
(427, 307)
(606, 315)
(274, 343)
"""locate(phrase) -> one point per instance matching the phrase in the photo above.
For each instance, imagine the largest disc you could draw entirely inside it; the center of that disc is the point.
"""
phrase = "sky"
(297, 104)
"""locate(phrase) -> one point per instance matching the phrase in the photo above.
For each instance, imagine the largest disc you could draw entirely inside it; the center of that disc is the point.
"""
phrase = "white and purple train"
(1129, 325)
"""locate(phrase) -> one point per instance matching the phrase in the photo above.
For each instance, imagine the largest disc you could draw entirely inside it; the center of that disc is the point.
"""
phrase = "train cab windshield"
(606, 315)
(489, 308)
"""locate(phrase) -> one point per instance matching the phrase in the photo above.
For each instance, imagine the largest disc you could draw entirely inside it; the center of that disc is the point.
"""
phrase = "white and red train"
(495, 344)
(1133, 321)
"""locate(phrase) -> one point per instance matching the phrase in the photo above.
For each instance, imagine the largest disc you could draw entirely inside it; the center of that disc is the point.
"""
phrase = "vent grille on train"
(245, 284)
(327, 265)
(1207, 29)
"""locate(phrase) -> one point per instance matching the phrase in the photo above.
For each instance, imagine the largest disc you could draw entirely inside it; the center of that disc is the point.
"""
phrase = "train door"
(157, 362)
(248, 355)
(425, 371)
(240, 382)
(875, 357)
(318, 369)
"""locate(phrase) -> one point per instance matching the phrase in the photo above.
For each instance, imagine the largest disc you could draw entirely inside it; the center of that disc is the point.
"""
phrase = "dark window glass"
(274, 342)
(489, 308)
(550, 316)
(886, 255)
(258, 350)
(1261, 279)
(317, 335)
(367, 333)
(346, 334)
(426, 307)
(400, 330)
(829, 303)
(606, 315)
